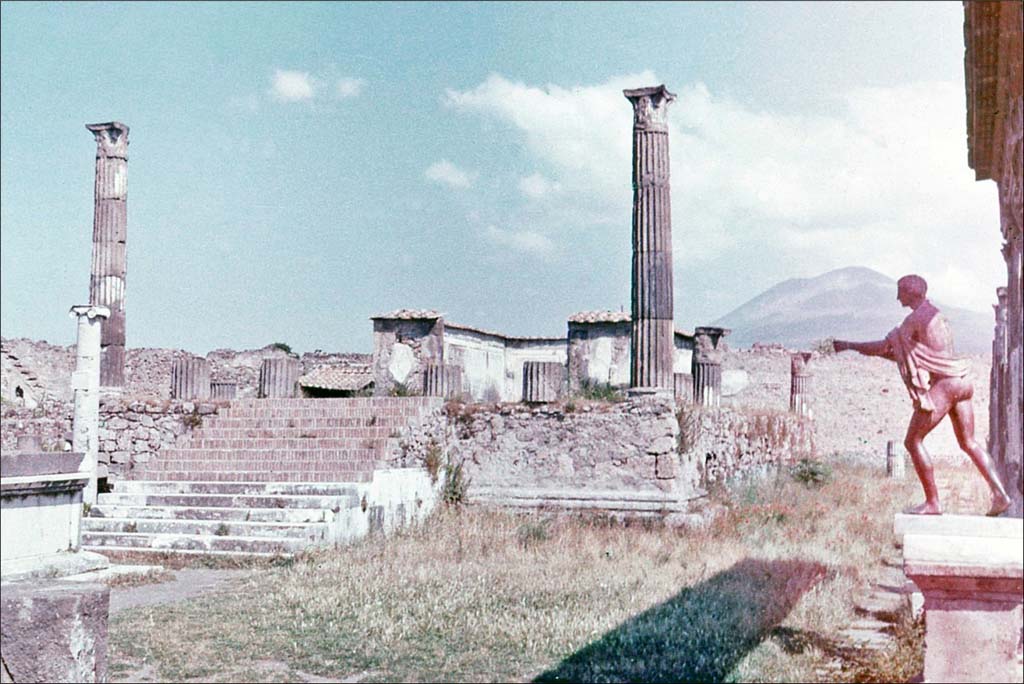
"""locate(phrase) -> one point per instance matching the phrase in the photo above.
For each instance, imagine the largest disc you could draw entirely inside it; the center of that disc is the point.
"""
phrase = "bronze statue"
(938, 383)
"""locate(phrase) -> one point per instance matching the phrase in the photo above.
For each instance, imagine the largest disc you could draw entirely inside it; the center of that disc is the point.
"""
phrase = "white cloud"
(349, 87)
(527, 241)
(536, 186)
(449, 174)
(883, 182)
(292, 86)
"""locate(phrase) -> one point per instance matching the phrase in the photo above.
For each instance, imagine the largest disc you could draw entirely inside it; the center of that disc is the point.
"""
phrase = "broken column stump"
(800, 384)
(190, 379)
(543, 381)
(279, 378)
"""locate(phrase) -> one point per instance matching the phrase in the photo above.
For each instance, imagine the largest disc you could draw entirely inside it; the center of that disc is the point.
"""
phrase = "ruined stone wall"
(133, 432)
(50, 421)
(599, 353)
(401, 350)
(727, 442)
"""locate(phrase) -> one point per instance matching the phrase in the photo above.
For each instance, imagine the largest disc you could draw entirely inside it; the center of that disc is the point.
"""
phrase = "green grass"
(476, 595)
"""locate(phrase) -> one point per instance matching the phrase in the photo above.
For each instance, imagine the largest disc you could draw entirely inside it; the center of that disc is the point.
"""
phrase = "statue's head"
(911, 290)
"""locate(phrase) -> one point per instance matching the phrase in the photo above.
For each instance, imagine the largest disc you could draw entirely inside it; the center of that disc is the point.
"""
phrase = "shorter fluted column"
(895, 463)
(279, 378)
(997, 383)
(440, 380)
(706, 365)
(85, 382)
(800, 384)
(683, 386)
(223, 390)
(542, 381)
(190, 379)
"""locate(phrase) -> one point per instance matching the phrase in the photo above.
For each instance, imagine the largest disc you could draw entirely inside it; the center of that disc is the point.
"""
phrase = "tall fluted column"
(997, 382)
(85, 382)
(190, 378)
(109, 235)
(800, 384)
(706, 366)
(652, 341)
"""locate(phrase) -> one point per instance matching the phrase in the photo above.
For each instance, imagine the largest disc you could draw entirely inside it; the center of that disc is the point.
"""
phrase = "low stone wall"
(727, 442)
(133, 432)
(633, 455)
(51, 422)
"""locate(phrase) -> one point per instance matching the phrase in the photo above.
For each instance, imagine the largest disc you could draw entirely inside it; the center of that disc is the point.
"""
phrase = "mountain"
(853, 303)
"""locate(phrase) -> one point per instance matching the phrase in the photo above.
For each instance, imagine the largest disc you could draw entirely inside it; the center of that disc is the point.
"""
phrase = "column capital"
(89, 311)
(798, 362)
(111, 139)
(650, 107)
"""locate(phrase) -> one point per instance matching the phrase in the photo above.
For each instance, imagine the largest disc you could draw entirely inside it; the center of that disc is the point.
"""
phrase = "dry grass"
(476, 595)
(138, 579)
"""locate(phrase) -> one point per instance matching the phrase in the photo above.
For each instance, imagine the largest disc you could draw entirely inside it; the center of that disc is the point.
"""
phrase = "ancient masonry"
(109, 234)
(994, 79)
(652, 332)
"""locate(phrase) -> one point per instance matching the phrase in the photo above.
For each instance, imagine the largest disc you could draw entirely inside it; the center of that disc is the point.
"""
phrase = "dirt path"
(187, 583)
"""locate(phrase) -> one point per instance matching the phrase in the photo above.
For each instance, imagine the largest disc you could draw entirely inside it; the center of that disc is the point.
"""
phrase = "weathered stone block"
(54, 632)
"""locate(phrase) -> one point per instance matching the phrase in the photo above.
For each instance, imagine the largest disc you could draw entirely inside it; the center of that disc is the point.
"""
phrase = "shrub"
(286, 348)
(222, 530)
(432, 461)
(533, 532)
(811, 472)
(592, 390)
(824, 347)
(399, 389)
(456, 485)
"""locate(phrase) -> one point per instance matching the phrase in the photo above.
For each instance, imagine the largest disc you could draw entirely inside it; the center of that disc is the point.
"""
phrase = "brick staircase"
(267, 477)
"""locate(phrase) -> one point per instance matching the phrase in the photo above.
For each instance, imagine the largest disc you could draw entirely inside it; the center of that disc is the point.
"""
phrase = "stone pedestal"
(706, 364)
(895, 463)
(800, 384)
(543, 381)
(109, 239)
(190, 379)
(971, 572)
(652, 334)
(54, 631)
(279, 378)
(85, 382)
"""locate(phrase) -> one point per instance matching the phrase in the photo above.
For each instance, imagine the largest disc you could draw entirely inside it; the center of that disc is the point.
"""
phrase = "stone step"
(96, 541)
(265, 489)
(305, 531)
(294, 433)
(320, 412)
(882, 605)
(229, 500)
(283, 515)
(269, 423)
(286, 443)
(186, 453)
(114, 553)
(337, 465)
(380, 402)
(363, 475)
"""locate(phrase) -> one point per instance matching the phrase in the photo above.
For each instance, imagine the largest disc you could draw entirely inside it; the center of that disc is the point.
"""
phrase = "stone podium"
(969, 569)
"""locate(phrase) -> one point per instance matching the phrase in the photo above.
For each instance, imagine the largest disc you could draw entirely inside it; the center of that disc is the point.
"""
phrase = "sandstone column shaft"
(653, 347)
(542, 381)
(997, 383)
(190, 379)
(223, 390)
(279, 378)
(441, 380)
(895, 463)
(109, 237)
(85, 381)
(800, 384)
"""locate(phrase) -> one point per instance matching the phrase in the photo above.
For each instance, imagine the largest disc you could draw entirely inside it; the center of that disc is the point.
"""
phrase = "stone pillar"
(440, 380)
(223, 390)
(542, 381)
(652, 343)
(683, 386)
(969, 570)
(706, 364)
(190, 379)
(996, 437)
(1012, 416)
(895, 463)
(800, 385)
(109, 235)
(279, 378)
(85, 382)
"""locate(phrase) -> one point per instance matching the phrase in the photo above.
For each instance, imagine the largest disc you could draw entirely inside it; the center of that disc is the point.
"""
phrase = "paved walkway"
(187, 583)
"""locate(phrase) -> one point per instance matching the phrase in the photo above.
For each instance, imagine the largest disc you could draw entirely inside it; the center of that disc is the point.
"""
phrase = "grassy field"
(478, 595)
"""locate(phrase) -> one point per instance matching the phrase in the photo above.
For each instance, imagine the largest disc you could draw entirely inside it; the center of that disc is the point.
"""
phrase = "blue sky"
(296, 168)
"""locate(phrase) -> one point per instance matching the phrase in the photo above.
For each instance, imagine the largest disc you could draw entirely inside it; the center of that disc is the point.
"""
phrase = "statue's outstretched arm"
(875, 348)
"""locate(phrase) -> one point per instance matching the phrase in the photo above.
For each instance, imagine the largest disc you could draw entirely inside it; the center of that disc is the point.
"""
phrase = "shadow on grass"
(700, 634)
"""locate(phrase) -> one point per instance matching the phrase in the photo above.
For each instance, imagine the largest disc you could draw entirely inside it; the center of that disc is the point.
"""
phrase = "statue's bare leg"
(921, 423)
(962, 416)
